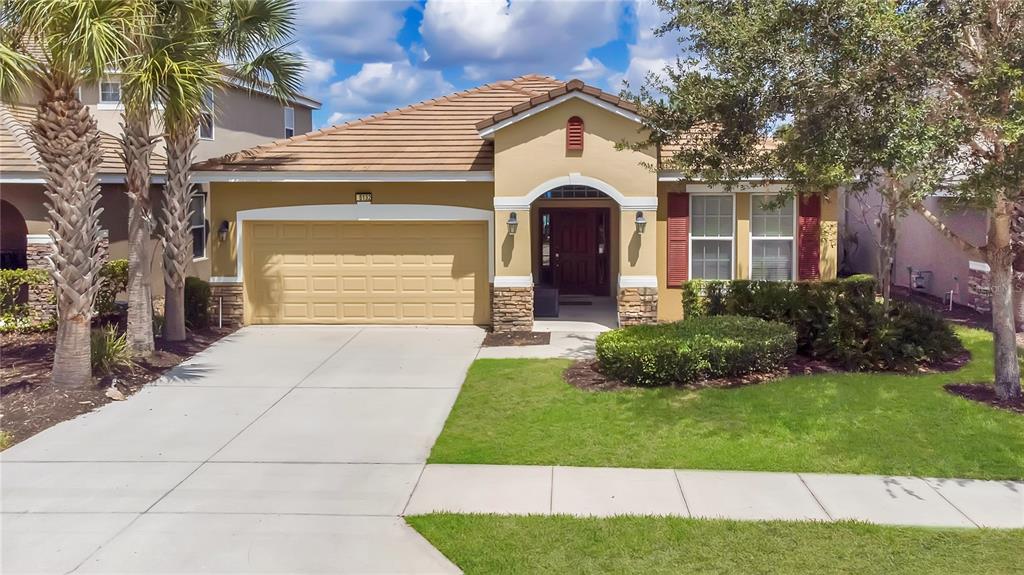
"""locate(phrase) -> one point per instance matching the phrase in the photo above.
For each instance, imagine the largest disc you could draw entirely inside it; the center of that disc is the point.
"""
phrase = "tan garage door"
(366, 272)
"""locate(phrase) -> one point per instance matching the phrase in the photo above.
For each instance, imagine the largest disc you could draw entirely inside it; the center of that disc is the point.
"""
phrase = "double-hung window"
(772, 231)
(206, 116)
(711, 236)
(197, 205)
(110, 93)
(289, 122)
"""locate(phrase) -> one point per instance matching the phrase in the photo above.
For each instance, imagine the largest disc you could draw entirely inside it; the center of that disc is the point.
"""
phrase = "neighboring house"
(925, 259)
(455, 210)
(237, 118)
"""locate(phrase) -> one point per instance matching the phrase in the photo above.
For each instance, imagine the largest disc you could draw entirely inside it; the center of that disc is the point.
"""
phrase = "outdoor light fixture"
(222, 231)
(641, 222)
(513, 224)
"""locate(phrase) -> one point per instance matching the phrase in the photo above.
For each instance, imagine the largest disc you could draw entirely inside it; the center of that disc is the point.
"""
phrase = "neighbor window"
(197, 205)
(711, 237)
(110, 91)
(206, 116)
(289, 122)
(771, 238)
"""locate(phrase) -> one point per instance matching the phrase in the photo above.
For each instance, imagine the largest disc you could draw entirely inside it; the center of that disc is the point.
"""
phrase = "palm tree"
(73, 41)
(228, 41)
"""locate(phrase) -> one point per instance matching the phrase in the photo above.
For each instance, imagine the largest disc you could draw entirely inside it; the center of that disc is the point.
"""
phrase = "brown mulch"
(29, 403)
(985, 394)
(516, 338)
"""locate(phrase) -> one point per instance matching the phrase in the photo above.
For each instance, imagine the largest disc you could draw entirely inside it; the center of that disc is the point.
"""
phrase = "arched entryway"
(13, 237)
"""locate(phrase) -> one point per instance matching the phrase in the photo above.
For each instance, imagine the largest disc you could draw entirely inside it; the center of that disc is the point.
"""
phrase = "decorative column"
(638, 280)
(227, 302)
(979, 287)
(42, 298)
(512, 288)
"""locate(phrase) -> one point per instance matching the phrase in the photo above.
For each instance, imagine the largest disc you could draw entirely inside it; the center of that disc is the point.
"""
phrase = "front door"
(579, 250)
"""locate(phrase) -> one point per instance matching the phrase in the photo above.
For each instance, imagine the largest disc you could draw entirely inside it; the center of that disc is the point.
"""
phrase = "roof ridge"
(20, 134)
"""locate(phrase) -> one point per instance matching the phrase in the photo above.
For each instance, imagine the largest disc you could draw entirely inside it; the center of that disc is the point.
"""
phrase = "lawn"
(560, 544)
(521, 412)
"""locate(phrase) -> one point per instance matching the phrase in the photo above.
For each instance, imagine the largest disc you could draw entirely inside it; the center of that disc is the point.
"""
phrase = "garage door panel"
(367, 272)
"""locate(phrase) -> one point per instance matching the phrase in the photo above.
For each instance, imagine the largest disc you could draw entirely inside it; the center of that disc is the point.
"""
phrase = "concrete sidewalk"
(586, 491)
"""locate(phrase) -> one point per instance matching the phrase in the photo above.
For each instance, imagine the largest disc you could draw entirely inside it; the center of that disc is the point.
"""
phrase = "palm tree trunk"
(176, 233)
(68, 143)
(137, 146)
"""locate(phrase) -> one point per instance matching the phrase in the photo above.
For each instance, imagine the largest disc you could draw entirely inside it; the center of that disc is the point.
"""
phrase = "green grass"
(559, 544)
(521, 412)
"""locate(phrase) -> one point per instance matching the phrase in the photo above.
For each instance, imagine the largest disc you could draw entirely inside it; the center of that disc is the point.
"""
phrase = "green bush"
(15, 313)
(694, 349)
(197, 303)
(110, 351)
(114, 275)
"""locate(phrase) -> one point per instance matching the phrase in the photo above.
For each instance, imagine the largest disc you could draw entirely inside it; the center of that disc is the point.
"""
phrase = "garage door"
(366, 272)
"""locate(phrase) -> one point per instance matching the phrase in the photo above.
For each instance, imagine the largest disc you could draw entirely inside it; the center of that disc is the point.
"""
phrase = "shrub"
(110, 351)
(114, 278)
(15, 313)
(694, 349)
(197, 303)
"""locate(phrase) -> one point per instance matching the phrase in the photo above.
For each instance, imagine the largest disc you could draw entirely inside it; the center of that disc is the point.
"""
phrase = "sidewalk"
(585, 491)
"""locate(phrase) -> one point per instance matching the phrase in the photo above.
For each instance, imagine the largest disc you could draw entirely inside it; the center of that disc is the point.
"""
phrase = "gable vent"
(574, 133)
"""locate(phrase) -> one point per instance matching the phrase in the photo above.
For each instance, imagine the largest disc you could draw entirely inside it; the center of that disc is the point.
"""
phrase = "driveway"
(279, 449)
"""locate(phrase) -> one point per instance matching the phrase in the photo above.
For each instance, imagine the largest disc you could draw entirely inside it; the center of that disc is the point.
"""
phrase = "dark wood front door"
(578, 249)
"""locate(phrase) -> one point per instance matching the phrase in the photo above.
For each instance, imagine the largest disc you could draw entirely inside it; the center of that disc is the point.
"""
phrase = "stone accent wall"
(979, 291)
(233, 304)
(512, 308)
(41, 298)
(638, 305)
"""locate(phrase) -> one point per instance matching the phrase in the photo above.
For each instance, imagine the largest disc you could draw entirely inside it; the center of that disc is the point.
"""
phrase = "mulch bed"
(516, 338)
(985, 394)
(29, 403)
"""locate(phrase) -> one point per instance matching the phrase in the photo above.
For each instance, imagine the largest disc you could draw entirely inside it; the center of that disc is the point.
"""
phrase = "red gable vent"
(678, 238)
(574, 133)
(809, 238)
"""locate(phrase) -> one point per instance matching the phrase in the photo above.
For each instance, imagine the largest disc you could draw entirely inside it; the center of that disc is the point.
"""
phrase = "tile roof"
(567, 88)
(435, 135)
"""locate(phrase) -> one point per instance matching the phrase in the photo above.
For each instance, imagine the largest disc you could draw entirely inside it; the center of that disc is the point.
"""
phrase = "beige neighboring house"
(237, 119)
(465, 208)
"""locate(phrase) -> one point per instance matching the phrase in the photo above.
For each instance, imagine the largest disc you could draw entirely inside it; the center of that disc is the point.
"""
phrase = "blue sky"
(368, 56)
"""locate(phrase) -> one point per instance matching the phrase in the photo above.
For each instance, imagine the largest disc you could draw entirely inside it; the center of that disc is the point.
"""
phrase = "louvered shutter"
(574, 133)
(678, 238)
(809, 237)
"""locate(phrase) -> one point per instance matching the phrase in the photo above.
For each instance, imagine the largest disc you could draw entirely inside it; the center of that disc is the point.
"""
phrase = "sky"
(369, 56)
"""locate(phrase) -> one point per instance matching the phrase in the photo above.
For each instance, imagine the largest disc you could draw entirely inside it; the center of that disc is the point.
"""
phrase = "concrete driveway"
(279, 449)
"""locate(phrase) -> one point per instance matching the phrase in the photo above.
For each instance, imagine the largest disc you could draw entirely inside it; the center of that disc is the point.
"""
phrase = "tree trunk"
(1000, 260)
(68, 143)
(175, 229)
(137, 146)
(886, 253)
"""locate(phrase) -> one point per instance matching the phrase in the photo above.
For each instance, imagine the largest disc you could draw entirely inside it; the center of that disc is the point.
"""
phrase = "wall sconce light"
(513, 224)
(222, 231)
(641, 222)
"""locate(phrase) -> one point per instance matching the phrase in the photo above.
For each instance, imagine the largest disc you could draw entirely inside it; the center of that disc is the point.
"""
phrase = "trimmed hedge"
(696, 349)
(114, 275)
(197, 303)
(839, 320)
(15, 313)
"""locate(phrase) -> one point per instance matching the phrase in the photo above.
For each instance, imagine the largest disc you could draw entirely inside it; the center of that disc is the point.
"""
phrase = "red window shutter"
(809, 238)
(574, 133)
(678, 238)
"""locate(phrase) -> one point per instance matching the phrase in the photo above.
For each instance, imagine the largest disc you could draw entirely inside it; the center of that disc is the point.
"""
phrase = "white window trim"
(213, 122)
(205, 226)
(284, 110)
(792, 238)
(101, 104)
(691, 237)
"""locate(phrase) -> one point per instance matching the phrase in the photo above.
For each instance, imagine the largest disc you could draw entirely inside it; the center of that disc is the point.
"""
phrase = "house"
(457, 210)
(236, 118)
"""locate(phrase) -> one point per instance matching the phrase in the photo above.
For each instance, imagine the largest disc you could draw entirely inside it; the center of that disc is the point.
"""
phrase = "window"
(197, 206)
(289, 122)
(771, 239)
(110, 91)
(711, 237)
(206, 116)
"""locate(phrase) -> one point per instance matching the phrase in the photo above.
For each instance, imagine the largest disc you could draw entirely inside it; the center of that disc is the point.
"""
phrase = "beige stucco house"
(236, 118)
(462, 209)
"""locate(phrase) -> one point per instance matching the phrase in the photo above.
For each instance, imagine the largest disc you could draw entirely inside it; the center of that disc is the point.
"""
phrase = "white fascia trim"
(38, 239)
(513, 281)
(225, 280)
(488, 132)
(439, 176)
(365, 212)
(979, 266)
(298, 99)
(30, 178)
(510, 203)
(674, 176)
(638, 281)
(110, 106)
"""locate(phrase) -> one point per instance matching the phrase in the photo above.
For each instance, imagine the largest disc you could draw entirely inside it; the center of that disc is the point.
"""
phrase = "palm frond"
(275, 69)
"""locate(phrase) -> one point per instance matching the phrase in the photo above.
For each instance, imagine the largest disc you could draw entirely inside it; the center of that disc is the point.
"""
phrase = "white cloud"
(650, 53)
(335, 118)
(590, 70)
(382, 86)
(499, 38)
(352, 30)
(319, 71)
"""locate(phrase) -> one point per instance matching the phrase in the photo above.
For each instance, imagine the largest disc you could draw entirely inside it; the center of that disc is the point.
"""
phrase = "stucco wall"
(227, 199)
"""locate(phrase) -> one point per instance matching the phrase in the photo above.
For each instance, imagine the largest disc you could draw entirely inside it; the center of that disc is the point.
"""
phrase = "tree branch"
(950, 234)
